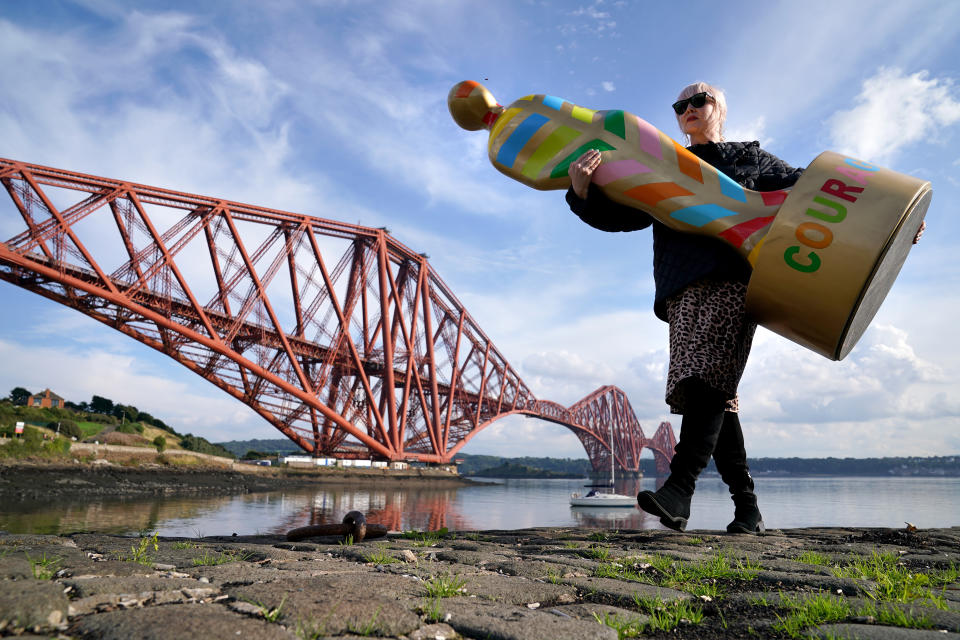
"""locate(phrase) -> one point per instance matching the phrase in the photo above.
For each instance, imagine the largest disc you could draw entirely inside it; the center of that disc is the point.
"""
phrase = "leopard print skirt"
(710, 338)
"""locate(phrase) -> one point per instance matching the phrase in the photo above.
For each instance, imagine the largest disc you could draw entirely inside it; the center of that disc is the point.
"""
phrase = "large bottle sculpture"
(824, 254)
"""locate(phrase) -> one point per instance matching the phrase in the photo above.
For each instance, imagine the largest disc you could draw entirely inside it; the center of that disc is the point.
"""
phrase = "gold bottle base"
(833, 252)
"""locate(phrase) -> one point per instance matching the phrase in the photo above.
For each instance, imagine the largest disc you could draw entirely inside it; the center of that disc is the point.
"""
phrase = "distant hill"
(473, 465)
(282, 446)
(100, 417)
(511, 470)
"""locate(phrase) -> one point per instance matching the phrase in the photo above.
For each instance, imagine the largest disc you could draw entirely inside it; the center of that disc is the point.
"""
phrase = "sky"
(338, 109)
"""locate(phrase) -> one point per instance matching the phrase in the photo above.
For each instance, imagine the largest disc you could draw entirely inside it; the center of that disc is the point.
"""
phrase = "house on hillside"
(46, 399)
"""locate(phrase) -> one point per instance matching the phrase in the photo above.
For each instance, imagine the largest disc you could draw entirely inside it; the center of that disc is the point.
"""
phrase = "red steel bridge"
(342, 338)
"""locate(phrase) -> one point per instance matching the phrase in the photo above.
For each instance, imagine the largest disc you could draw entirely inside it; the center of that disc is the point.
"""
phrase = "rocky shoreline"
(101, 478)
(532, 584)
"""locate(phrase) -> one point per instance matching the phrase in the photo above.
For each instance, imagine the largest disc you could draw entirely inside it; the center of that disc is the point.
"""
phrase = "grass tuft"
(894, 582)
(810, 612)
(444, 586)
(625, 627)
(380, 556)
(44, 568)
(802, 614)
(428, 538)
(185, 545)
(602, 536)
(270, 614)
(598, 553)
(140, 552)
(663, 616)
(699, 578)
(432, 611)
(812, 557)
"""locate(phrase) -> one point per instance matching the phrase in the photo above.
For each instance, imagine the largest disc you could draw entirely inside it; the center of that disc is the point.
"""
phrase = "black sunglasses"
(696, 101)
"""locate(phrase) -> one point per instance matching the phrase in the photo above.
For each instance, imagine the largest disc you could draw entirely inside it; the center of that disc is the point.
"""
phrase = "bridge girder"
(342, 338)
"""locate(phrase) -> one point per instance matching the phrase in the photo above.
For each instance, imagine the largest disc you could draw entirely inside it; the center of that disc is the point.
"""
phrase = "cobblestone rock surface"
(530, 584)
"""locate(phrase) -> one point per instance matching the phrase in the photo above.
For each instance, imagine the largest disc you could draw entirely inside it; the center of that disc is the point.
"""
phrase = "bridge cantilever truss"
(341, 337)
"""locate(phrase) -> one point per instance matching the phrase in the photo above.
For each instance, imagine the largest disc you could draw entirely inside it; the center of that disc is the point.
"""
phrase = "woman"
(701, 286)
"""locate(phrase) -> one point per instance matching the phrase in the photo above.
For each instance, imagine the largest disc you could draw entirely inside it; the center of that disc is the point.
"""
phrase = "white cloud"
(510, 435)
(608, 86)
(123, 122)
(893, 111)
(877, 380)
(79, 372)
(746, 131)
(592, 11)
(592, 19)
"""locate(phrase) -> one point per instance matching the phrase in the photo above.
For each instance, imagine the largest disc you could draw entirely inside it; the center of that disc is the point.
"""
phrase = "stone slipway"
(533, 584)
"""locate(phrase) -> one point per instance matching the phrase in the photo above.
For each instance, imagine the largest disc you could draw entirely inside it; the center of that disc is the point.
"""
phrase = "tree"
(99, 404)
(160, 443)
(68, 428)
(126, 413)
(19, 396)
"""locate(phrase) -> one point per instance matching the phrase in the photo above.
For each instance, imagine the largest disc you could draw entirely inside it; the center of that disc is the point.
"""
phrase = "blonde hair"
(719, 116)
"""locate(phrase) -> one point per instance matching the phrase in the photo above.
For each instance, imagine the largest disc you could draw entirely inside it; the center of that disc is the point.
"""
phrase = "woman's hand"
(581, 171)
(916, 238)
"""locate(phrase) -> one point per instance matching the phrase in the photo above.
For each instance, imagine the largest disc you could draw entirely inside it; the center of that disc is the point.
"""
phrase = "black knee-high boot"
(698, 437)
(731, 459)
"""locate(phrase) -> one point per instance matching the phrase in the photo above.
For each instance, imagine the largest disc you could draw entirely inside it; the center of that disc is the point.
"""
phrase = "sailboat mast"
(612, 462)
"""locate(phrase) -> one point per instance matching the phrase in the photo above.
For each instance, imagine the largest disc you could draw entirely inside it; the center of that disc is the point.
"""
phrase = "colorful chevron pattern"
(537, 138)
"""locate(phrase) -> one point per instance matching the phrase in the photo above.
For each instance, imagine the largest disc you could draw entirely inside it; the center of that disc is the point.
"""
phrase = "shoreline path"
(549, 583)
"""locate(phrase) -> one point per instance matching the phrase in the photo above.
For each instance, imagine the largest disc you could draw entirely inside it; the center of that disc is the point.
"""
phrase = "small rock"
(437, 631)
(408, 556)
(245, 607)
(533, 605)
(198, 593)
(164, 567)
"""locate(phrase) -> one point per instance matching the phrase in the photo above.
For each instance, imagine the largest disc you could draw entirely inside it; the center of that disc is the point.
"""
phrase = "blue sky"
(337, 109)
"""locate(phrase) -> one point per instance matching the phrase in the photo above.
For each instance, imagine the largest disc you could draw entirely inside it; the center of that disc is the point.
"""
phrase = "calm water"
(511, 504)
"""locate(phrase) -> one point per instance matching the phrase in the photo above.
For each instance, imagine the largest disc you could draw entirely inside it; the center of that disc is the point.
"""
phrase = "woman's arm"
(595, 208)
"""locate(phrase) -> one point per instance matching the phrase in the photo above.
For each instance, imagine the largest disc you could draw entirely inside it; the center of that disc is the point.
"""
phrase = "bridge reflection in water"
(271, 512)
(787, 501)
(109, 515)
(513, 504)
(424, 509)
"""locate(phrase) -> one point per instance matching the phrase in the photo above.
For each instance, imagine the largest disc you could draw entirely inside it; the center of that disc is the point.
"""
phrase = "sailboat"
(598, 499)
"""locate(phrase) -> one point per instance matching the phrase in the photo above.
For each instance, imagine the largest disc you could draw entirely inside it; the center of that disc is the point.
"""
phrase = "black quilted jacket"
(679, 259)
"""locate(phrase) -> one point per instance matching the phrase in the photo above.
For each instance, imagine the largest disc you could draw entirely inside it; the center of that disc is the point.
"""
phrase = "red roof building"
(46, 399)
